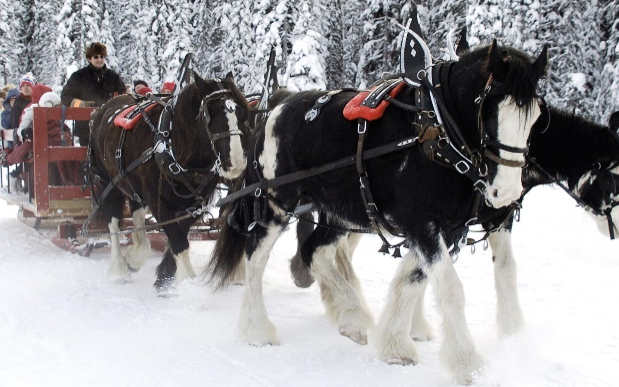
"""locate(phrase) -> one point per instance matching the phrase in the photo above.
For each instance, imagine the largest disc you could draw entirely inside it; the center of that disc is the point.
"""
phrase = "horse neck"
(190, 141)
(460, 96)
(569, 147)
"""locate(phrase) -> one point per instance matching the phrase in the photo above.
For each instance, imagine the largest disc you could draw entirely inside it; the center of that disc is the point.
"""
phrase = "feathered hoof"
(166, 288)
(359, 336)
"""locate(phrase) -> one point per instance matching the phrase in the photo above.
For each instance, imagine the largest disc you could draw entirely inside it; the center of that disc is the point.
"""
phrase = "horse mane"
(570, 144)
(185, 125)
(517, 77)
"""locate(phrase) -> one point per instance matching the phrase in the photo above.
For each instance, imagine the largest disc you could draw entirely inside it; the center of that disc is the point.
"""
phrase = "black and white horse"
(581, 153)
(422, 200)
(564, 148)
(170, 168)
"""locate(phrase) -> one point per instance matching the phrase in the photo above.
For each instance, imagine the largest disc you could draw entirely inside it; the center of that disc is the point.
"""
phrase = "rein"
(163, 153)
(611, 202)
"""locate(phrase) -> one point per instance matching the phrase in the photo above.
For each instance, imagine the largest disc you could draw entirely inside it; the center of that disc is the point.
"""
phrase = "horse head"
(598, 188)
(497, 86)
(222, 113)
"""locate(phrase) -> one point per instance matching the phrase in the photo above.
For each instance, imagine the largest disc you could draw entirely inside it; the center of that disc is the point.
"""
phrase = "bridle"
(227, 96)
(471, 162)
(487, 142)
(608, 184)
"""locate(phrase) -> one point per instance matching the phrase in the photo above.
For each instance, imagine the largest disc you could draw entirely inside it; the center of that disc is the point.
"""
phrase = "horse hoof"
(419, 336)
(301, 275)
(120, 280)
(166, 288)
(358, 336)
(401, 360)
(259, 343)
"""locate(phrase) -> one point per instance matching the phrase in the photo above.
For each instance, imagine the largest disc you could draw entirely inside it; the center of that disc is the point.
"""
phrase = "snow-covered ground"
(63, 324)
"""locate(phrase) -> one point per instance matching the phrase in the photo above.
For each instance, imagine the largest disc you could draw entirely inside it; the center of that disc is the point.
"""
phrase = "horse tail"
(229, 248)
(227, 255)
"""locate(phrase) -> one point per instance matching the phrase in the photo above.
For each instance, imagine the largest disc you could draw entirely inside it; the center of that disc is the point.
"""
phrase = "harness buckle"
(362, 131)
(118, 153)
(481, 186)
(471, 221)
(175, 168)
(462, 167)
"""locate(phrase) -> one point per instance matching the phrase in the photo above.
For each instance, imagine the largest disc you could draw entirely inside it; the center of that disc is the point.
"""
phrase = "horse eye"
(520, 102)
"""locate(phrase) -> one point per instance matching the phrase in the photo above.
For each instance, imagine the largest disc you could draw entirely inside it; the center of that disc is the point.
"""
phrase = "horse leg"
(394, 343)
(458, 352)
(175, 265)
(343, 260)
(344, 302)
(509, 315)
(300, 272)
(421, 329)
(112, 208)
(254, 325)
(139, 251)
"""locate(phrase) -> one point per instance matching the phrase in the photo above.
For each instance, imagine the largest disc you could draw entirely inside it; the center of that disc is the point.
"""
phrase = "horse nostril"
(495, 193)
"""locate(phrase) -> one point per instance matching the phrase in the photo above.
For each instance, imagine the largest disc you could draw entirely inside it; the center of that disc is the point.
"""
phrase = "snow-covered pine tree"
(607, 98)
(437, 18)
(334, 32)
(273, 24)
(24, 29)
(381, 48)
(201, 22)
(309, 49)
(11, 47)
(145, 65)
(123, 20)
(237, 47)
(174, 38)
(352, 41)
(69, 46)
(572, 30)
(42, 43)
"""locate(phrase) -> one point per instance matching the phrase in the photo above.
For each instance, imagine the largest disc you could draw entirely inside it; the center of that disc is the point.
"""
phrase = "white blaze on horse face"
(600, 221)
(268, 158)
(238, 161)
(514, 128)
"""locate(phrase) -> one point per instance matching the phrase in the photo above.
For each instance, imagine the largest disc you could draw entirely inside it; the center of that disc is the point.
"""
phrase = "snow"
(63, 323)
(579, 81)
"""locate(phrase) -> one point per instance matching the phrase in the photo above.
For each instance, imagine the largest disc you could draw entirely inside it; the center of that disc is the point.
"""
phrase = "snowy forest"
(323, 44)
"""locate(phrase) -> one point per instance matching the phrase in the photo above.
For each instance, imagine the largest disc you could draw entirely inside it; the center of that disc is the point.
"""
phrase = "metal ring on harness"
(175, 168)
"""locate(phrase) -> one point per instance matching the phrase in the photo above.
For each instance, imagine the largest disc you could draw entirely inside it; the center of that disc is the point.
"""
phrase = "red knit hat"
(169, 86)
(145, 90)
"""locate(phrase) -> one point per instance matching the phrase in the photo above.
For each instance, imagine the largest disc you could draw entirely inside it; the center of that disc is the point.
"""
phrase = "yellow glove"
(79, 103)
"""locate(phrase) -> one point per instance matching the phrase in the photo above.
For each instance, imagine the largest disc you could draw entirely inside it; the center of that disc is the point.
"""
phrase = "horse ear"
(496, 65)
(201, 83)
(613, 122)
(539, 66)
(229, 76)
(463, 44)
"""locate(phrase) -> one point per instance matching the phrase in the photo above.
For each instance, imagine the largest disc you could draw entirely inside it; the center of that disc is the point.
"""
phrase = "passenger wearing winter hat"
(168, 88)
(91, 86)
(138, 85)
(9, 101)
(25, 121)
(26, 84)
